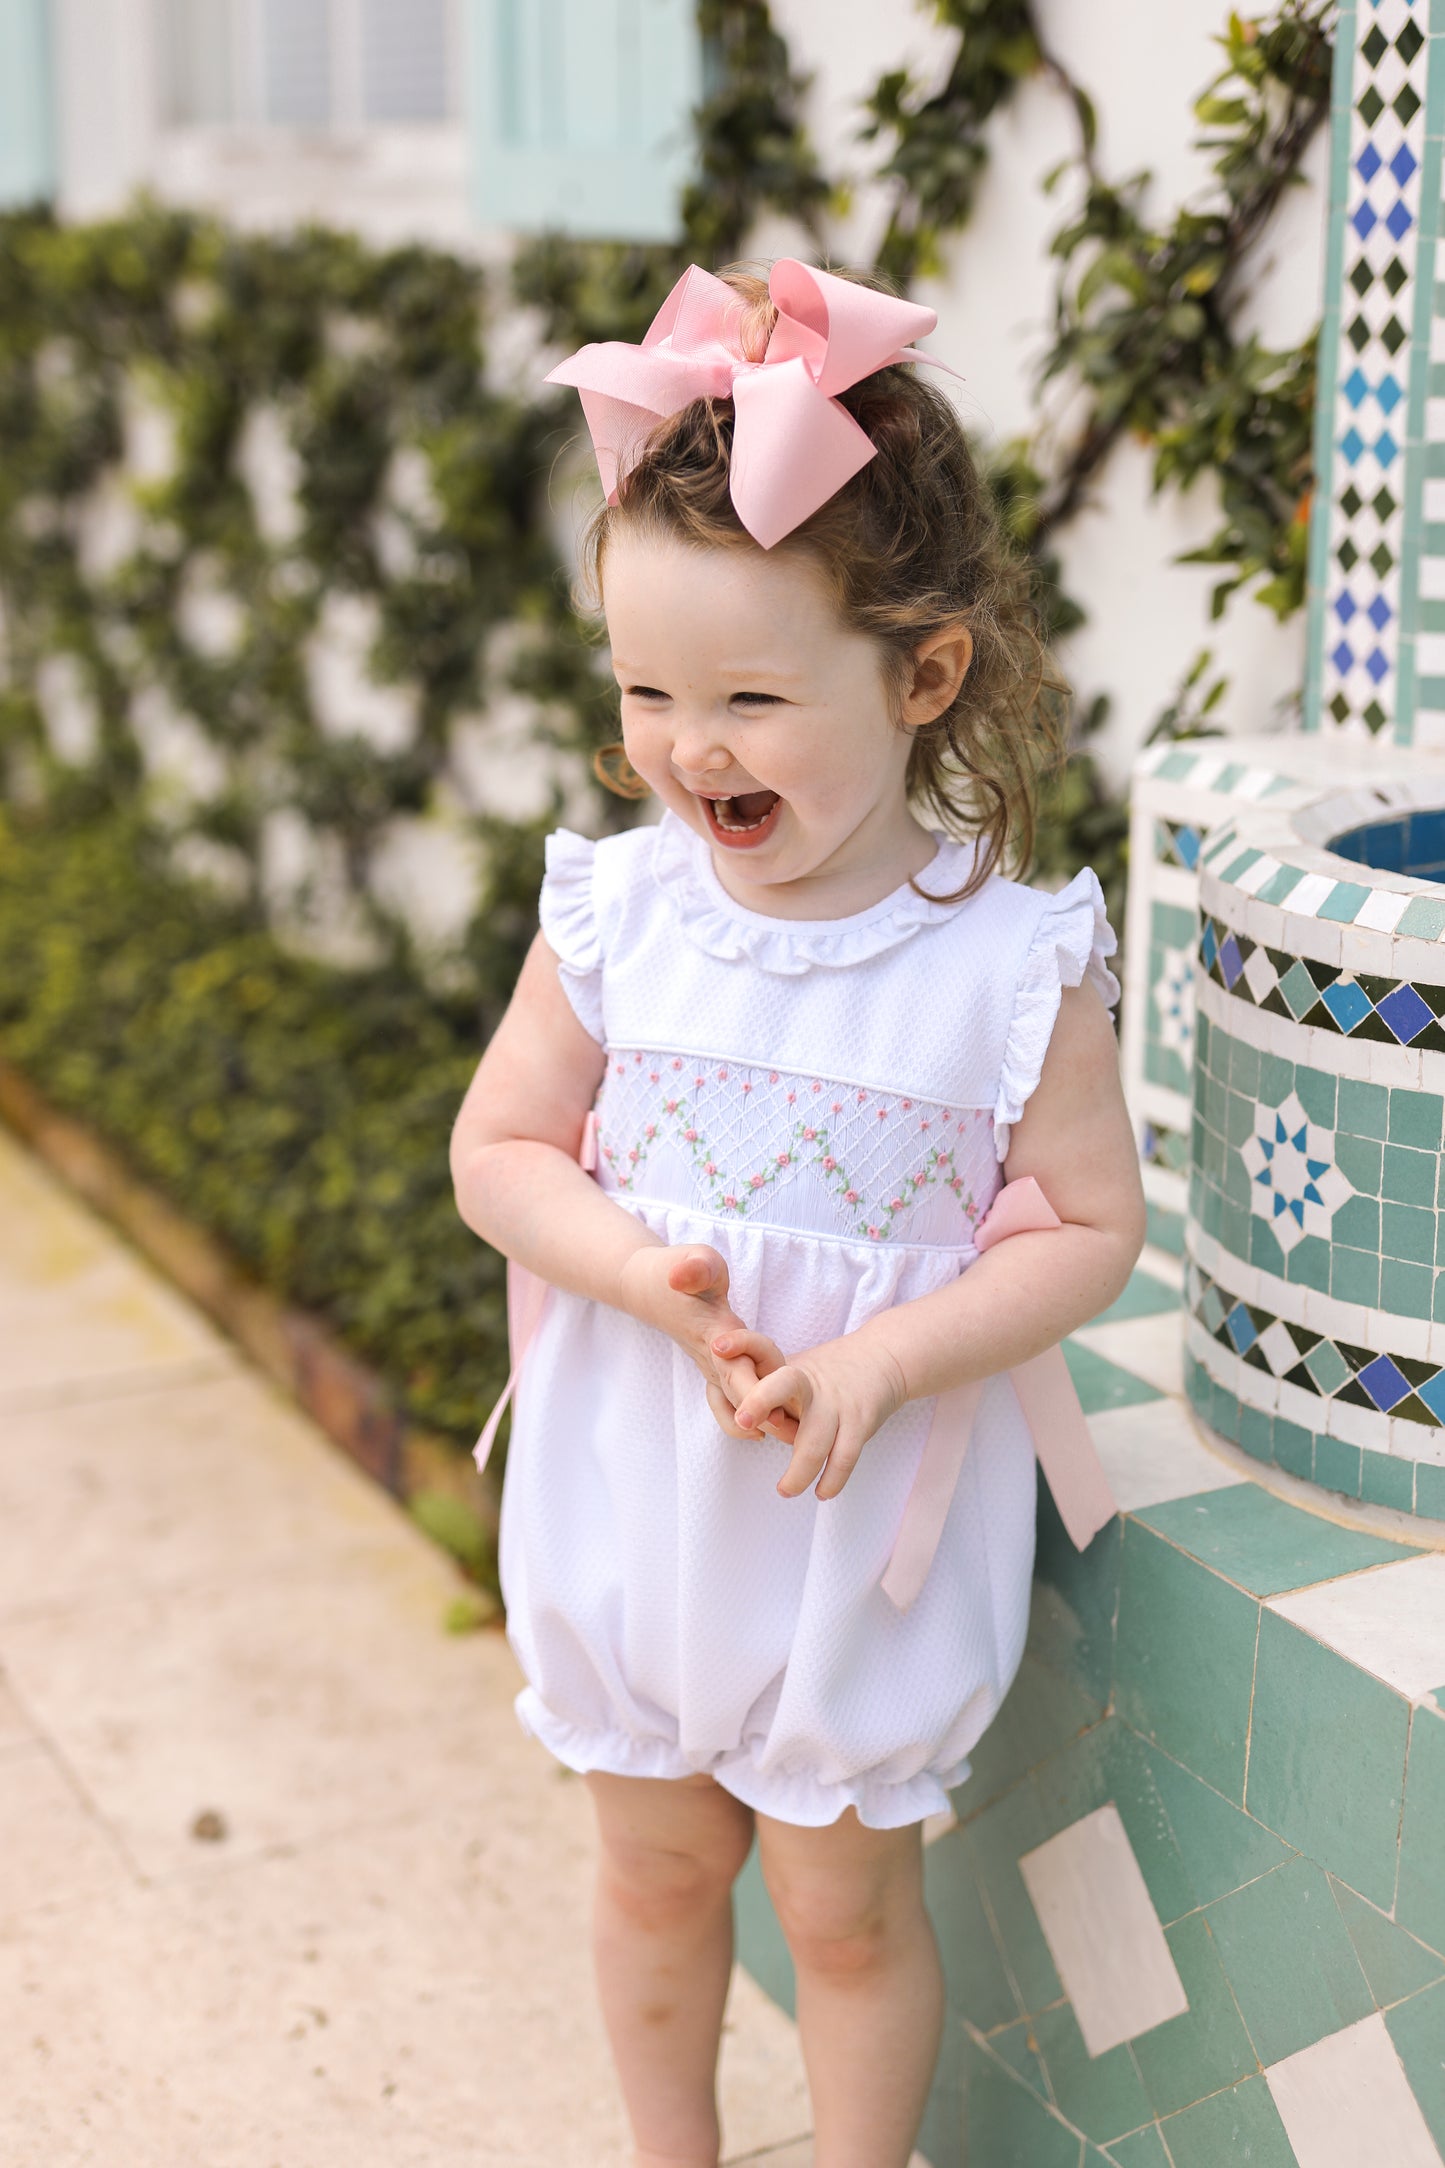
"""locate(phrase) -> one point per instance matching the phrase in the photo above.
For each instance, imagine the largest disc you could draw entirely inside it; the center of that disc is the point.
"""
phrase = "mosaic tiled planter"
(1316, 1216)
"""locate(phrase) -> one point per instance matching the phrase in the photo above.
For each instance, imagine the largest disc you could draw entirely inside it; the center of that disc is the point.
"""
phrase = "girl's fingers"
(810, 1450)
(841, 1462)
(775, 1391)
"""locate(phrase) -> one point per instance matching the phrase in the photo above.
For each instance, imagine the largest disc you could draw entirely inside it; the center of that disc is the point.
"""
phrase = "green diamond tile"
(1100, 2094)
(1101, 1384)
(1005, 2125)
(1327, 1366)
(1263, 1544)
(1341, 1809)
(1299, 990)
(1394, 1963)
(1240, 2126)
(1417, 2028)
(1420, 1899)
(1289, 1959)
(1184, 1663)
(1207, 2047)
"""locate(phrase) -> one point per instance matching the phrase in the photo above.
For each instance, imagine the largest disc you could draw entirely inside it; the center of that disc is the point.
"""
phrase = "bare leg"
(663, 1943)
(870, 1985)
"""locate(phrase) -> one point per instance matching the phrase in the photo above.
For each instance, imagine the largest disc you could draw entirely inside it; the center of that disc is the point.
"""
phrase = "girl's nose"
(698, 751)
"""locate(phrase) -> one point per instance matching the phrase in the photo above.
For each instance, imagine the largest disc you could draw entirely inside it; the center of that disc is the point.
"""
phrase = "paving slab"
(282, 1882)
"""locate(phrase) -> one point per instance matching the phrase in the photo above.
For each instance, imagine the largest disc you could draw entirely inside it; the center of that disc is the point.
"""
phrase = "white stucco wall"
(1143, 65)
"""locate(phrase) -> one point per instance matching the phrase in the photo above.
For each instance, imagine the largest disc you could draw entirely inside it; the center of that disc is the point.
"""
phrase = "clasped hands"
(826, 1403)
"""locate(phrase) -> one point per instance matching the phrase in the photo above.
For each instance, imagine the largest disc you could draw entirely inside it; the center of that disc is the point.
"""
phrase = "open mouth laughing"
(742, 821)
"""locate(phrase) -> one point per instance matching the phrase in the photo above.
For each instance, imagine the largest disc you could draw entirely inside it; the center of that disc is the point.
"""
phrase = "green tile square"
(975, 1980)
(1415, 1118)
(1294, 1448)
(1101, 1384)
(1184, 1662)
(1278, 886)
(1244, 1069)
(1316, 1090)
(1276, 1079)
(1143, 1297)
(1265, 1253)
(1256, 1432)
(1341, 1809)
(1417, 2028)
(1407, 1176)
(1207, 2047)
(1388, 1479)
(1423, 919)
(1343, 902)
(1240, 2126)
(1014, 1825)
(1263, 1543)
(1394, 1963)
(1041, 1714)
(1359, 1161)
(1430, 1488)
(1142, 2149)
(1075, 1597)
(1408, 1233)
(1309, 1264)
(1364, 1108)
(1289, 1959)
(1420, 1899)
(1006, 2125)
(1357, 1223)
(1238, 1121)
(1101, 2095)
(1405, 1288)
(1355, 1274)
(1219, 1847)
(1337, 1465)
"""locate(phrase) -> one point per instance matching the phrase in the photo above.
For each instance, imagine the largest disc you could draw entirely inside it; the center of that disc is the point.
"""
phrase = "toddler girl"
(768, 1064)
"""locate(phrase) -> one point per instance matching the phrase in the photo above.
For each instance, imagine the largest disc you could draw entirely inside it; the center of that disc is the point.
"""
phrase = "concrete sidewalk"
(282, 1884)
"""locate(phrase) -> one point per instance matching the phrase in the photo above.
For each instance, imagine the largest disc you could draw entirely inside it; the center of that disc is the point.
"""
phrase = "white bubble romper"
(827, 1103)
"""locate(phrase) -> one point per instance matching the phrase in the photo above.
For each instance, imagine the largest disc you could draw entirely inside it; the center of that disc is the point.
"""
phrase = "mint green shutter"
(27, 133)
(579, 114)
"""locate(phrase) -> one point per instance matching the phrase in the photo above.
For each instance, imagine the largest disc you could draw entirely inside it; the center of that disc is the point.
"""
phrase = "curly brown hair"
(911, 545)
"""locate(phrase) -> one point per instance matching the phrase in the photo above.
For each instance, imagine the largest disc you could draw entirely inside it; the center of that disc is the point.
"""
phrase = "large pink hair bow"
(794, 446)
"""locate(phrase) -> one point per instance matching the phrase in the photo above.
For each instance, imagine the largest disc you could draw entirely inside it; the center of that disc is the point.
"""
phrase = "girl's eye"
(759, 699)
(644, 692)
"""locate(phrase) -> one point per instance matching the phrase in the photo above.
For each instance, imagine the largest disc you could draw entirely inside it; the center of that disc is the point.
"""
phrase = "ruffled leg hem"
(807, 1801)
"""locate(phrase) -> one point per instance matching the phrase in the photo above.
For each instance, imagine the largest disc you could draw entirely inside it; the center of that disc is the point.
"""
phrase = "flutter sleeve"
(567, 910)
(1071, 943)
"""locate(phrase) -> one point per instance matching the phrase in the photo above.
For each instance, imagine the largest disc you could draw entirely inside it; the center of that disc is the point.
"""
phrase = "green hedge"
(300, 1116)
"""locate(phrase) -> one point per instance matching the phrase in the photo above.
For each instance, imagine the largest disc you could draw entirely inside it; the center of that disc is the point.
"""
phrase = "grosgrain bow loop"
(794, 446)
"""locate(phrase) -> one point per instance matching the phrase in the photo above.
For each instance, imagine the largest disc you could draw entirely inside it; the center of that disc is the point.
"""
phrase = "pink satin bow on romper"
(793, 446)
(1044, 1388)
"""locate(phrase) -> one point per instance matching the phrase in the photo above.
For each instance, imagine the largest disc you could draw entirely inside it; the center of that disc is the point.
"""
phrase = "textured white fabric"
(821, 1102)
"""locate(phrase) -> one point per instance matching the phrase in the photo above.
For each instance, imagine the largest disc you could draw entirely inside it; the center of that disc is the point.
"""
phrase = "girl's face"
(763, 722)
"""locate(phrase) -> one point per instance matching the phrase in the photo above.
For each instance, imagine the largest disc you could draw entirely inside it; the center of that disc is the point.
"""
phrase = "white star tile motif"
(1173, 994)
(1294, 1183)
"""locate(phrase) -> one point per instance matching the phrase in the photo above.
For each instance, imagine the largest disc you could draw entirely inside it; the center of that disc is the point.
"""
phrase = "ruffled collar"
(708, 915)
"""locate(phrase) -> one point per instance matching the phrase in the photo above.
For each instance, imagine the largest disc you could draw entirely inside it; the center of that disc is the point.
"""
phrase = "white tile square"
(1152, 1452)
(1102, 1931)
(1382, 910)
(1389, 1620)
(1151, 1348)
(1345, 2101)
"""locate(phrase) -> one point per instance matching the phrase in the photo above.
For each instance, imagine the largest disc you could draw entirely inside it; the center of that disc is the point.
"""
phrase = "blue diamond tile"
(1399, 221)
(1343, 657)
(1231, 963)
(1355, 386)
(1402, 165)
(1368, 164)
(1384, 1383)
(1364, 221)
(1385, 448)
(1379, 613)
(1405, 1013)
(1376, 665)
(1346, 607)
(1240, 1327)
(1433, 1395)
(1347, 1003)
(1352, 444)
(1186, 843)
(1388, 395)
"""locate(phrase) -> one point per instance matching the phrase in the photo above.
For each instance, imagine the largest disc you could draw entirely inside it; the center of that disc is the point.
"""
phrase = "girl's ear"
(940, 665)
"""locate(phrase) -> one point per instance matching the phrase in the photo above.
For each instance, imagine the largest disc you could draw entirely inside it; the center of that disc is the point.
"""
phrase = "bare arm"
(518, 1184)
(1020, 1297)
